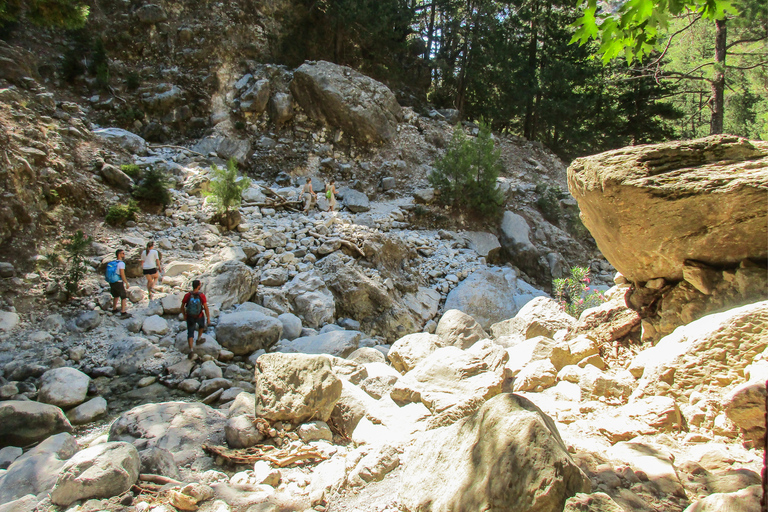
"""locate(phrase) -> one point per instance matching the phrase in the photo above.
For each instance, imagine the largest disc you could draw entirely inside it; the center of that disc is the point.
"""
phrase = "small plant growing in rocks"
(466, 175)
(119, 214)
(153, 187)
(549, 201)
(77, 267)
(132, 170)
(226, 191)
(574, 294)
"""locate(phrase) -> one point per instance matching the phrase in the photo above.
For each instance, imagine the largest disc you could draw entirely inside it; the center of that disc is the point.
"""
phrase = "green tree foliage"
(714, 33)
(512, 63)
(573, 293)
(466, 174)
(635, 28)
(227, 187)
(370, 35)
(153, 187)
(67, 14)
(77, 267)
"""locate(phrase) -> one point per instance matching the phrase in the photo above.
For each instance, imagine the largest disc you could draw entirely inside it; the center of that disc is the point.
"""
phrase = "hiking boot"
(125, 314)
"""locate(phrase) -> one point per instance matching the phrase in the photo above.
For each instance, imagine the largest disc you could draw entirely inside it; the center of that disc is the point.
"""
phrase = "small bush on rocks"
(119, 214)
(132, 170)
(153, 187)
(573, 293)
(227, 187)
(549, 201)
(466, 175)
(77, 267)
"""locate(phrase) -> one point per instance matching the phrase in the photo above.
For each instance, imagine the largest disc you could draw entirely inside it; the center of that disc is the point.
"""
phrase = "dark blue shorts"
(195, 324)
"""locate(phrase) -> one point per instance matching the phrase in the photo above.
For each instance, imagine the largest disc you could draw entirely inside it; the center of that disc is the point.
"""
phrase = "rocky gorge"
(384, 357)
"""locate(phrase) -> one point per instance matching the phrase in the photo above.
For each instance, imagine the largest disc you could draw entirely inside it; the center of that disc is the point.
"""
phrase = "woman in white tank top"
(150, 263)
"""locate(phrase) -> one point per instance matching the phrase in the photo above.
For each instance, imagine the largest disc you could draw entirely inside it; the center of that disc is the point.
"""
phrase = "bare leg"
(123, 303)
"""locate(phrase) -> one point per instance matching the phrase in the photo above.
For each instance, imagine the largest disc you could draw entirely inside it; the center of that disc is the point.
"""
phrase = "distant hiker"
(330, 194)
(118, 284)
(308, 194)
(150, 262)
(193, 305)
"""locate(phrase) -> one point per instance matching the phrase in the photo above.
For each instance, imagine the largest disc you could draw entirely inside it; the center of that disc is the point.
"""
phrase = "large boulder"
(515, 238)
(127, 140)
(335, 343)
(63, 387)
(490, 295)
(409, 350)
(542, 316)
(707, 354)
(356, 201)
(508, 456)
(745, 407)
(102, 471)
(295, 387)
(225, 147)
(244, 332)
(484, 244)
(131, 354)
(457, 329)
(312, 301)
(363, 299)
(23, 423)
(181, 428)
(343, 98)
(36, 471)
(229, 283)
(450, 376)
(650, 208)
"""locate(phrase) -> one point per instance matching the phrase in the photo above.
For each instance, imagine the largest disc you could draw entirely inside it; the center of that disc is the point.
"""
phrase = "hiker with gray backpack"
(193, 305)
(118, 284)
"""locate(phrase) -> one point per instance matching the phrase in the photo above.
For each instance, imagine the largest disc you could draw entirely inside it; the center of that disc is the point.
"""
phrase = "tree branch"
(669, 41)
(763, 63)
(742, 41)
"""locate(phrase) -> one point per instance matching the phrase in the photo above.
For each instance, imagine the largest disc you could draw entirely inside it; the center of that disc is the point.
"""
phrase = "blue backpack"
(112, 275)
(194, 305)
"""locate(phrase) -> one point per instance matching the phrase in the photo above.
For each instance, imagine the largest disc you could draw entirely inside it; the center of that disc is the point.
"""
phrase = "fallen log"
(276, 456)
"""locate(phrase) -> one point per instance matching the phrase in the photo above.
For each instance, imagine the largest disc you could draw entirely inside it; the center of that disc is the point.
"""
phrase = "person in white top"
(150, 262)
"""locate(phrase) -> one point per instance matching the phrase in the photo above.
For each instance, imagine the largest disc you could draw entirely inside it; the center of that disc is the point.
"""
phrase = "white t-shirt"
(120, 266)
(149, 260)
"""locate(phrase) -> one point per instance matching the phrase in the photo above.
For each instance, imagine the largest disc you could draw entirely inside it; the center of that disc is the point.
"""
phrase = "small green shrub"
(99, 65)
(227, 187)
(77, 267)
(549, 201)
(129, 114)
(132, 170)
(573, 293)
(239, 125)
(153, 187)
(132, 81)
(119, 214)
(466, 175)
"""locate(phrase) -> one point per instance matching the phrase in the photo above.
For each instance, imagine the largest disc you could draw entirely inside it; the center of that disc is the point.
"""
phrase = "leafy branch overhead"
(635, 28)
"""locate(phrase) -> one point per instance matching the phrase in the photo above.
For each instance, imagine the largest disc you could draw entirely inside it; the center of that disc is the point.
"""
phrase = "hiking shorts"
(118, 290)
(195, 324)
(150, 271)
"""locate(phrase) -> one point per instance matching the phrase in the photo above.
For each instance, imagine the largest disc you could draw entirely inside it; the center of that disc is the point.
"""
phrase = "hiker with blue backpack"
(118, 284)
(193, 306)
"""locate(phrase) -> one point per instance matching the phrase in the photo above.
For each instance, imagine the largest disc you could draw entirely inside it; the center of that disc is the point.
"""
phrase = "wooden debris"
(158, 479)
(346, 243)
(275, 456)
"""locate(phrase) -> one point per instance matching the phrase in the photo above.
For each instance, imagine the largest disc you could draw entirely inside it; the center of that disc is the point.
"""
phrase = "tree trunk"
(529, 125)
(718, 82)
(430, 32)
